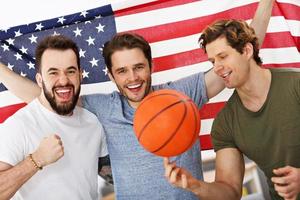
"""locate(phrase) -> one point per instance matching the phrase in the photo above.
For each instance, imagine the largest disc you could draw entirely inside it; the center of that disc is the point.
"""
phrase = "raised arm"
(13, 177)
(228, 182)
(22, 87)
(214, 84)
(261, 19)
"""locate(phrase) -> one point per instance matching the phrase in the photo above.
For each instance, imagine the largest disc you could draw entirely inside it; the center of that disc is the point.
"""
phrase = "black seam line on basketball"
(195, 120)
(161, 95)
(176, 130)
(152, 118)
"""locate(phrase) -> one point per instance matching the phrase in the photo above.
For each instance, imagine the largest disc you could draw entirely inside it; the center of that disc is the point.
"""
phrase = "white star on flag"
(9, 66)
(91, 41)
(81, 53)
(18, 33)
(105, 70)
(30, 65)
(85, 74)
(61, 20)
(23, 74)
(5, 47)
(18, 56)
(39, 26)
(84, 13)
(100, 28)
(94, 62)
(55, 33)
(33, 39)
(24, 50)
(77, 32)
(10, 41)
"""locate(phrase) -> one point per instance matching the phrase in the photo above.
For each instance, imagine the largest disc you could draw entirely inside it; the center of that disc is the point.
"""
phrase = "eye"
(140, 67)
(71, 72)
(52, 73)
(121, 71)
(223, 56)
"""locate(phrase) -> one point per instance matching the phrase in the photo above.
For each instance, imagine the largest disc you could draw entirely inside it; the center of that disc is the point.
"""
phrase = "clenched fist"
(49, 151)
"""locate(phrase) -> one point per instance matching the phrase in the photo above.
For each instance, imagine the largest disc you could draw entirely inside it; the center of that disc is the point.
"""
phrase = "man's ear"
(39, 79)
(111, 77)
(248, 50)
(80, 76)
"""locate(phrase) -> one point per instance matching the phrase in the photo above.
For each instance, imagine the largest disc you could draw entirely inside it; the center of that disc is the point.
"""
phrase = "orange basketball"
(166, 123)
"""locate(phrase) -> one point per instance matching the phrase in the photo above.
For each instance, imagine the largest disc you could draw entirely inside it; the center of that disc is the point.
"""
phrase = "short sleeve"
(193, 86)
(103, 145)
(89, 102)
(222, 136)
(12, 142)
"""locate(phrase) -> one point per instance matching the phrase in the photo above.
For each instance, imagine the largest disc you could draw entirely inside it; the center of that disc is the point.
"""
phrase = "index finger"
(166, 161)
(279, 180)
(56, 136)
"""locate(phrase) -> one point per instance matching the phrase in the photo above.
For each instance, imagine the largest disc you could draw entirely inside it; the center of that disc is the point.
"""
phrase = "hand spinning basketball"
(166, 123)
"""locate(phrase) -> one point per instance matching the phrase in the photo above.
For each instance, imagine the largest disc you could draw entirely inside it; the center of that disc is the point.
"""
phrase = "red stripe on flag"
(7, 111)
(196, 25)
(178, 60)
(284, 10)
(192, 26)
(272, 40)
(151, 6)
(279, 40)
(205, 142)
(210, 110)
(284, 65)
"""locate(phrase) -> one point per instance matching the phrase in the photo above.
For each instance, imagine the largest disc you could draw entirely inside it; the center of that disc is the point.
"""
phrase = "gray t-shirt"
(137, 173)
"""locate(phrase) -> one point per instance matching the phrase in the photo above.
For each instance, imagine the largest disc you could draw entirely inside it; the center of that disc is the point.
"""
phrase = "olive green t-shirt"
(270, 136)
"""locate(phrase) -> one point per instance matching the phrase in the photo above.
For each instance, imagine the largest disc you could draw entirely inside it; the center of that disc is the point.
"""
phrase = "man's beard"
(61, 108)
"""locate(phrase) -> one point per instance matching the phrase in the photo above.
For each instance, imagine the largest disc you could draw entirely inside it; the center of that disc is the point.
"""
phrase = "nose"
(63, 79)
(132, 75)
(217, 67)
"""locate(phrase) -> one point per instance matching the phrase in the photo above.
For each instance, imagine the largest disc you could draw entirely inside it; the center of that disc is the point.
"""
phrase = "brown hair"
(59, 42)
(237, 33)
(125, 41)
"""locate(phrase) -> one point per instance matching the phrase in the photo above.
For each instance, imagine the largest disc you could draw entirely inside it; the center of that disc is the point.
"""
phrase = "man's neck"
(254, 92)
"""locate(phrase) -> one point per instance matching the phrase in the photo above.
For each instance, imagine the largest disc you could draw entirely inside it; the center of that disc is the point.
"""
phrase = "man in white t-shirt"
(50, 148)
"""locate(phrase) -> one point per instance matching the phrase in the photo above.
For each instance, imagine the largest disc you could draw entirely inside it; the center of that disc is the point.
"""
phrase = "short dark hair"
(125, 41)
(59, 42)
(237, 33)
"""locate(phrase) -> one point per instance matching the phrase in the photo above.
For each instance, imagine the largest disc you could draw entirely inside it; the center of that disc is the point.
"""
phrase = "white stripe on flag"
(280, 55)
(170, 14)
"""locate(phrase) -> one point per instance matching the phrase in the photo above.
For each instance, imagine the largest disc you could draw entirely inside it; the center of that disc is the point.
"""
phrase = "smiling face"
(233, 67)
(131, 73)
(59, 79)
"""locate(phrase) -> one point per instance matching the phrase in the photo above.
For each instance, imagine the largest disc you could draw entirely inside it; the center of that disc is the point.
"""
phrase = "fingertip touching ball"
(166, 123)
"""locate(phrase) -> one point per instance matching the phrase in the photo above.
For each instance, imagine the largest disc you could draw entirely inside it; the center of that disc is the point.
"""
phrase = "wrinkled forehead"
(59, 59)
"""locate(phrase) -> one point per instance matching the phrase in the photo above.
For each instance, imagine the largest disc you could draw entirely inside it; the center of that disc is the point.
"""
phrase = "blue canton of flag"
(89, 29)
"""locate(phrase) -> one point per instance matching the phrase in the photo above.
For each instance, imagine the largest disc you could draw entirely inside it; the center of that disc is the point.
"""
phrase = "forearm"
(12, 179)
(215, 190)
(22, 87)
(214, 84)
(261, 19)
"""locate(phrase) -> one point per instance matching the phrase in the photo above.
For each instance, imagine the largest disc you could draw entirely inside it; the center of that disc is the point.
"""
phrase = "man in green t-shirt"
(261, 119)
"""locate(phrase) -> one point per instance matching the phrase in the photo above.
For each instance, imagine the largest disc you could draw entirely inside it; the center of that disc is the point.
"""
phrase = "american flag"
(171, 26)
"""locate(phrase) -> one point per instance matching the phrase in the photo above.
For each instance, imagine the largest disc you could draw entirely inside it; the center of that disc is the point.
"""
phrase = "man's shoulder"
(24, 113)
(284, 72)
(100, 98)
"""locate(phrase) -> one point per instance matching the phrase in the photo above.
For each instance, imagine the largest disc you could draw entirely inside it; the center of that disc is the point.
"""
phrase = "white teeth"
(134, 86)
(63, 90)
(226, 74)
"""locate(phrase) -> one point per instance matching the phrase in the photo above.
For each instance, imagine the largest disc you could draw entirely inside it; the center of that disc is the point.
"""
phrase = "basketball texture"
(166, 123)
